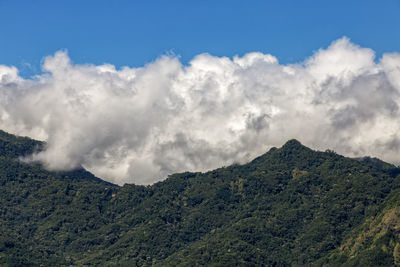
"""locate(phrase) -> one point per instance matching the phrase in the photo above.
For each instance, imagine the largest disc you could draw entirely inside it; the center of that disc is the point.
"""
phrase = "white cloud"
(141, 124)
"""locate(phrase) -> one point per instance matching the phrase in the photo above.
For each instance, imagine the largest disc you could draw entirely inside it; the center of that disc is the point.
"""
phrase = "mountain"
(291, 206)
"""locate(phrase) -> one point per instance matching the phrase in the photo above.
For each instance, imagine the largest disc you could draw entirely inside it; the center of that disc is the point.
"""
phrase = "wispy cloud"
(137, 125)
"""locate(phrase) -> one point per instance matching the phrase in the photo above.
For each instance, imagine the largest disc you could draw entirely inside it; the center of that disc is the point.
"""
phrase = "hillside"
(291, 206)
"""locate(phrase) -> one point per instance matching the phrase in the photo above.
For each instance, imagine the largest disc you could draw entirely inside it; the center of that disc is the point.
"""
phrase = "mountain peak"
(289, 151)
(293, 144)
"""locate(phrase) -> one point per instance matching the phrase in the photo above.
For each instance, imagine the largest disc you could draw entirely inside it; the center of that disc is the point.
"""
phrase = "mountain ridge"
(291, 206)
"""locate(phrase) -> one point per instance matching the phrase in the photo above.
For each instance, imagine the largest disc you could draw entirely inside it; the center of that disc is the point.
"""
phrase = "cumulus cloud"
(137, 125)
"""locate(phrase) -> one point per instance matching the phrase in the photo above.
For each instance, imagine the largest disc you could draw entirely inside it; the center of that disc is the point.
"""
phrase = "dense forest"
(291, 206)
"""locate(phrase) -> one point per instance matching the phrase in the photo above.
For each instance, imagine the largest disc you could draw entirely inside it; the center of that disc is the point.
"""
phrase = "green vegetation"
(289, 207)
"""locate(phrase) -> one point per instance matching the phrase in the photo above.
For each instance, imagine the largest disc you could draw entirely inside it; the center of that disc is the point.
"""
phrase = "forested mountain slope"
(291, 206)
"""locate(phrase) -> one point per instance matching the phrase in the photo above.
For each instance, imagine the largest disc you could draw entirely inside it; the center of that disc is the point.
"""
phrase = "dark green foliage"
(289, 207)
(13, 146)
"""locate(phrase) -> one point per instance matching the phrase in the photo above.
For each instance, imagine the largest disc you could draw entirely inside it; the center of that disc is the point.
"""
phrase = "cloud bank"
(137, 125)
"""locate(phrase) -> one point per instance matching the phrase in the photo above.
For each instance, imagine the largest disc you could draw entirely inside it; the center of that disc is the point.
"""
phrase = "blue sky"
(136, 32)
